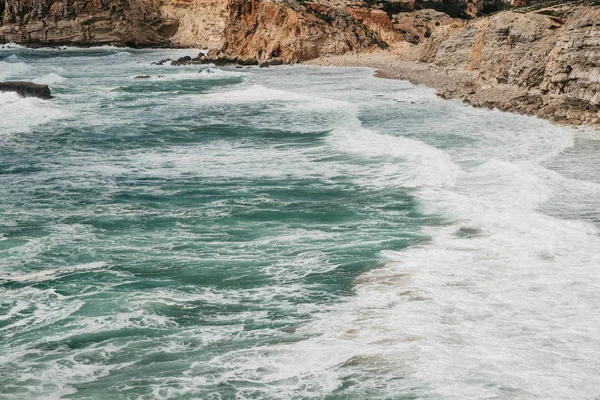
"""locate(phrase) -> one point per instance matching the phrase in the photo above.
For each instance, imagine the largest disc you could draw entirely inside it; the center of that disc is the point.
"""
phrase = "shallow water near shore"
(291, 232)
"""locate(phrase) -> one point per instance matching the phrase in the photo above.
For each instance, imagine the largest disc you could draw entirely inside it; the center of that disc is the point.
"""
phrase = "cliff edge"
(542, 59)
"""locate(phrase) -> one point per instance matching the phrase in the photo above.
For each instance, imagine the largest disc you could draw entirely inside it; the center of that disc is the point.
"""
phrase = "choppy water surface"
(287, 233)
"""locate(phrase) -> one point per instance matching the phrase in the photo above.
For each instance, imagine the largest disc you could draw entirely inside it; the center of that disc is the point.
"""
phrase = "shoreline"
(450, 83)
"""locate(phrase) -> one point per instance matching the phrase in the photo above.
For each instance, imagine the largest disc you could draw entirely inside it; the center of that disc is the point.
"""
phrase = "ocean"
(290, 232)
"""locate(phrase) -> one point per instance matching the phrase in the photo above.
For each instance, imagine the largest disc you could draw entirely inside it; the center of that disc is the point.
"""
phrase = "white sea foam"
(501, 302)
(51, 274)
(50, 79)
(199, 73)
(9, 70)
(504, 297)
(409, 163)
(21, 115)
(11, 46)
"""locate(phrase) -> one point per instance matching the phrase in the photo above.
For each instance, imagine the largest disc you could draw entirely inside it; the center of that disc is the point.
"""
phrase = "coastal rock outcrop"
(453, 8)
(286, 28)
(294, 31)
(542, 60)
(26, 89)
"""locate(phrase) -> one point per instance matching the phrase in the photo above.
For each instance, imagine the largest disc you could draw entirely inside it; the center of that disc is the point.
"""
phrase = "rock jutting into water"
(216, 57)
(26, 89)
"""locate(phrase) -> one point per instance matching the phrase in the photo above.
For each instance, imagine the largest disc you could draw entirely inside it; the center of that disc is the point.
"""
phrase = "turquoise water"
(286, 233)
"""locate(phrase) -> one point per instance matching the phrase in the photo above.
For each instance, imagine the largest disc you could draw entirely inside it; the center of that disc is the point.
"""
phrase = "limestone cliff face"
(84, 22)
(201, 23)
(296, 32)
(542, 61)
(572, 73)
(453, 8)
(292, 29)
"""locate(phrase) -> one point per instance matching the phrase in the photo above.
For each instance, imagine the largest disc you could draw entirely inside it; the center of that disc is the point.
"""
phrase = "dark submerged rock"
(220, 59)
(26, 89)
(182, 61)
(161, 62)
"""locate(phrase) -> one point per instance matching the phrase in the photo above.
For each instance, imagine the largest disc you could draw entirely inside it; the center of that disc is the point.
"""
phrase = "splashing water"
(287, 233)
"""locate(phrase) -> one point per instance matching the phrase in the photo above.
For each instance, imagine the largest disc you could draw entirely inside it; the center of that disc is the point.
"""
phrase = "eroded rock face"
(544, 62)
(75, 22)
(416, 26)
(201, 23)
(453, 8)
(296, 32)
(572, 73)
(290, 29)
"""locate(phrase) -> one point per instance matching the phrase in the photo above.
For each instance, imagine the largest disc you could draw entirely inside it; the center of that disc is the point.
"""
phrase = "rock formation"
(119, 22)
(290, 29)
(542, 60)
(26, 89)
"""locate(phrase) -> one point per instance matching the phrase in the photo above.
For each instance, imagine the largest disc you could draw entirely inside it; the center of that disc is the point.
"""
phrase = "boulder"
(161, 62)
(26, 89)
(248, 61)
(225, 60)
(182, 61)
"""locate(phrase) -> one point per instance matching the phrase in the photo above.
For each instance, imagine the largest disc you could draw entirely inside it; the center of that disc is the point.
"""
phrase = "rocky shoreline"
(27, 89)
(534, 57)
(450, 83)
(542, 61)
(218, 58)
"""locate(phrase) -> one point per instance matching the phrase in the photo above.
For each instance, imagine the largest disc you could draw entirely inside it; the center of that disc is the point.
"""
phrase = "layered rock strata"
(290, 29)
(543, 61)
(293, 30)
(72, 22)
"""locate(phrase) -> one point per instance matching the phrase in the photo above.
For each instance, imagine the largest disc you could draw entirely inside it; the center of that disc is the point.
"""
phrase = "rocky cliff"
(120, 22)
(542, 60)
(291, 29)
